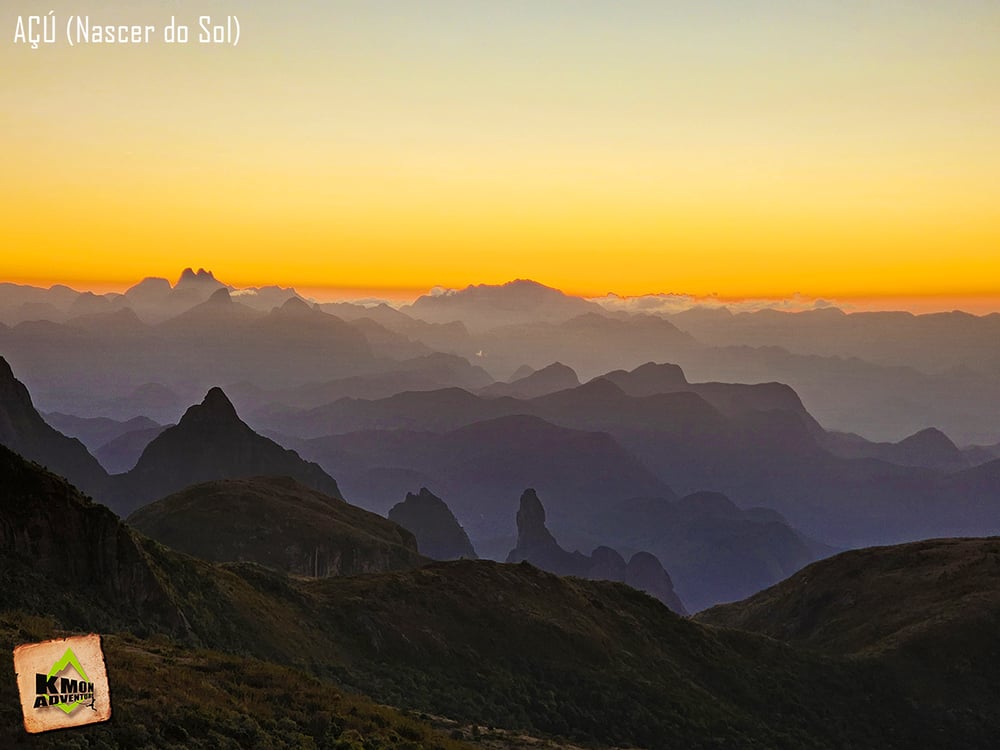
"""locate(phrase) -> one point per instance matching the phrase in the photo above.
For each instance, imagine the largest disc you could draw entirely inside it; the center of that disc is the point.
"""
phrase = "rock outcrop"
(535, 544)
(430, 520)
(555, 377)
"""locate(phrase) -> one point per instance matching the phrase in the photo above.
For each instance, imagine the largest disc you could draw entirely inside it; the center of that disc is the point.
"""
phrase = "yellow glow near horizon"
(846, 153)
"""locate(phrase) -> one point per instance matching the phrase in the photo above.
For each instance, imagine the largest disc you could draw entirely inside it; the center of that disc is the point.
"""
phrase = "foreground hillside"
(930, 609)
(476, 641)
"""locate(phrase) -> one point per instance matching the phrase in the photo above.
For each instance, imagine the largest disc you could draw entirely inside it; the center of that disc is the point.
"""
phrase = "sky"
(839, 150)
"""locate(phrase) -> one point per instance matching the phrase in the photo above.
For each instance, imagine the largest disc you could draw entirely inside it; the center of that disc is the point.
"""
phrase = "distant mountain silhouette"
(649, 379)
(929, 448)
(23, 430)
(424, 373)
(210, 442)
(155, 300)
(430, 520)
(482, 307)
(482, 468)
(754, 443)
(280, 523)
(94, 432)
(451, 338)
(121, 454)
(554, 377)
(220, 310)
(535, 544)
(591, 343)
(933, 342)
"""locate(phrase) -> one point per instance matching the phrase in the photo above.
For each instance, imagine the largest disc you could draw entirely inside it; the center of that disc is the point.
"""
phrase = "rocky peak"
(189, 276)
(535, 544)
(430, 520)
(215, 409)
(151, 285)
(531, 529)
(296, 306)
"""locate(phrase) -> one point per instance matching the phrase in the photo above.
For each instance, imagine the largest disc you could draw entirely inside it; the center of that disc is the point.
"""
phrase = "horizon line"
(975, 303)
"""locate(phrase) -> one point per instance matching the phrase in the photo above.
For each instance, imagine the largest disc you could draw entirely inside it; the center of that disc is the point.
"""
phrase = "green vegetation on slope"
(167, 696)
(280, 523)
(503, 645)
(929, 611)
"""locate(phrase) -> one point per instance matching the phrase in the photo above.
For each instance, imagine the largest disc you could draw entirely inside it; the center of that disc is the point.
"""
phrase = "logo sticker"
(63, 683)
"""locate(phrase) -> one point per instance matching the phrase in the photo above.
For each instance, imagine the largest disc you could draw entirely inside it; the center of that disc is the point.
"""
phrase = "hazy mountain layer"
(535, 544)
(210, 442)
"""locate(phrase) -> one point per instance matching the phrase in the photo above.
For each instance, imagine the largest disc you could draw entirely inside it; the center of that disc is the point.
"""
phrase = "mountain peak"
(216, 399)
(221, 296)
(189, 276)
(210, 443)
(215, 408)
(536, 544)
(531, 513)
(430, 520)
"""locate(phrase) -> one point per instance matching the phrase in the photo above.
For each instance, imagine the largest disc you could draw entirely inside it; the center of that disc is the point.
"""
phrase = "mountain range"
(881, 375)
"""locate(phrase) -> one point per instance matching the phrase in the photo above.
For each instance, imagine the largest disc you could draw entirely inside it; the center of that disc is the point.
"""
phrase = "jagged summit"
(189, 276)
(535, 544)
(216, 404)
(296, 305)
(650, 378)
(215, 412)
(531, 529)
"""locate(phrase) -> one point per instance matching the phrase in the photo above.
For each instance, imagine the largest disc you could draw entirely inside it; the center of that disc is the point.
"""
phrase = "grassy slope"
(166, 696)
(278, 522)
(512, 646)
(930, 610)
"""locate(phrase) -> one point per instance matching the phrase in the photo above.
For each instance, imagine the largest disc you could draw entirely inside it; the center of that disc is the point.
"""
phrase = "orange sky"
(745, 149)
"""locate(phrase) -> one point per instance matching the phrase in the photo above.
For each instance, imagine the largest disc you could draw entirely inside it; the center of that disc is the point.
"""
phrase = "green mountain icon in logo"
(69, 660)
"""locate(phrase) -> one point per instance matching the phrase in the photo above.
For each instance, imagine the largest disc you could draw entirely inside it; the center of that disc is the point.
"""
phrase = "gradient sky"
(748, 149)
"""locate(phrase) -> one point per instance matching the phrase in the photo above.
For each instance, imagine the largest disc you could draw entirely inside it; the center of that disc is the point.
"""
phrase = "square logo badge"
(62, 683)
